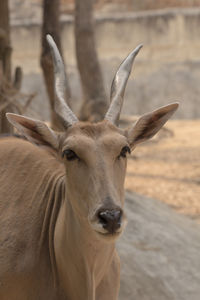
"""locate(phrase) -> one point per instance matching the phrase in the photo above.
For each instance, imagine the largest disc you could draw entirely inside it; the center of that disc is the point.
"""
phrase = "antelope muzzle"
(110, 219)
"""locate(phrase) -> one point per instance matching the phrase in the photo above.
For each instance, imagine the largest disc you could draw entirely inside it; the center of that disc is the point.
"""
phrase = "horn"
(118, 87)
(62, 109)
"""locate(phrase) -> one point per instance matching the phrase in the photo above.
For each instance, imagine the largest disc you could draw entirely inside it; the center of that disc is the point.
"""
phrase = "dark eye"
(124, 151)
(69, 154)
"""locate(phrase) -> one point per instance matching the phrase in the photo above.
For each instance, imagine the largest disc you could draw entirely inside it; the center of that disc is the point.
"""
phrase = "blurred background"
(167, 68)
(94, 37)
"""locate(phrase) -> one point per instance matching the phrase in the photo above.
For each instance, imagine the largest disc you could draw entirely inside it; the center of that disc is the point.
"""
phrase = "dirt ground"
(168, 167)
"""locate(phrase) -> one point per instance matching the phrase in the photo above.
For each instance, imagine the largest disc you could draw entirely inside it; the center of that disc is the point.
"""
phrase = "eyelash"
(69, 155)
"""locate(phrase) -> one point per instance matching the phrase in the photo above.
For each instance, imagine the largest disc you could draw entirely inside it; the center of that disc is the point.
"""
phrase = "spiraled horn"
(119, 85)
(62, 109)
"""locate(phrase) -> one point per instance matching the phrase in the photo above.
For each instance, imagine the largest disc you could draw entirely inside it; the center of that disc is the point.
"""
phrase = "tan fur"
(33, 191)
(52, 243)
(31, 184)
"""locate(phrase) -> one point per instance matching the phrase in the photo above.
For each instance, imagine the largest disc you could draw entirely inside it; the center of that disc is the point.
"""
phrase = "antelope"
(62, 197)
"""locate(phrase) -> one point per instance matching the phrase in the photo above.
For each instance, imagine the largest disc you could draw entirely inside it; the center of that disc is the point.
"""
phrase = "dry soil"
(168, 167)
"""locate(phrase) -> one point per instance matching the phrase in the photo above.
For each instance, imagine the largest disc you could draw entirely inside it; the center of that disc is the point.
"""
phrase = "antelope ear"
(35, 131)
(149, 124)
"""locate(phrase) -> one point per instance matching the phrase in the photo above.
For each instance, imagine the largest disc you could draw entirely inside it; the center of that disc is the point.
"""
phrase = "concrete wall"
(167, 68)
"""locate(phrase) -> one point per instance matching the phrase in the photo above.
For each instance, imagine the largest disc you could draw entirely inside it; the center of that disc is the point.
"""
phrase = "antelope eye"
(124, 151)
(69, 154)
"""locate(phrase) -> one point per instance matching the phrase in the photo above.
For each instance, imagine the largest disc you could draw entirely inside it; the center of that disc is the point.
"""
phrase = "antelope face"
(95, 157)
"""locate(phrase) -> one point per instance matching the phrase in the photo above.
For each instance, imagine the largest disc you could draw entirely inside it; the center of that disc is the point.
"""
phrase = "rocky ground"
(159, 253)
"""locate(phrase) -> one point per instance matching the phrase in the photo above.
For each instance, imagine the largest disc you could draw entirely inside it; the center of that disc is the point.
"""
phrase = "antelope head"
(94, 154)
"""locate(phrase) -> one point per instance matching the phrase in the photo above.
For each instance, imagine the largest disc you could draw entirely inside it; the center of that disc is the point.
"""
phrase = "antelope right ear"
(34, 130)
(149, 124)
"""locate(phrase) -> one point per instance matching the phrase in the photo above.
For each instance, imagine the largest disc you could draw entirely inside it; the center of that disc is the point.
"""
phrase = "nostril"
(118, 215)
(103, 218)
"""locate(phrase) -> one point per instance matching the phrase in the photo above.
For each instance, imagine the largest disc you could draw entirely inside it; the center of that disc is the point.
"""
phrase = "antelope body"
(62, 197)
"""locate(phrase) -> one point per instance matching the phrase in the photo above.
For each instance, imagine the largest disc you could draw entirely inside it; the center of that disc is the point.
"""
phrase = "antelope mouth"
(103, 232)
(108, 235)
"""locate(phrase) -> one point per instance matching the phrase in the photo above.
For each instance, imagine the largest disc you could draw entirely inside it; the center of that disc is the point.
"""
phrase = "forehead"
(98, 133)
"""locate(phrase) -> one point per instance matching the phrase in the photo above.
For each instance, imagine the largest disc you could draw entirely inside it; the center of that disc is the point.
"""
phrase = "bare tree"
(5, 64)
(10, 94)
(11, 99)
(51, 25)
(95, 101)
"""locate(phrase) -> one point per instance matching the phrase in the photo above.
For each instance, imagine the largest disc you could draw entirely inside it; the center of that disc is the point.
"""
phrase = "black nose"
(110, 219)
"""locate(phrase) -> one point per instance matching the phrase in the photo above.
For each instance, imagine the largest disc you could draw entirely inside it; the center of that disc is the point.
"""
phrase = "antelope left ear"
(149, 124)
(34, 130)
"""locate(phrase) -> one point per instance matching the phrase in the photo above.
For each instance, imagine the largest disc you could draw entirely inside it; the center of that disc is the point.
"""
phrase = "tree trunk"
(95, 102)
(51, 26)
(5, 64)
